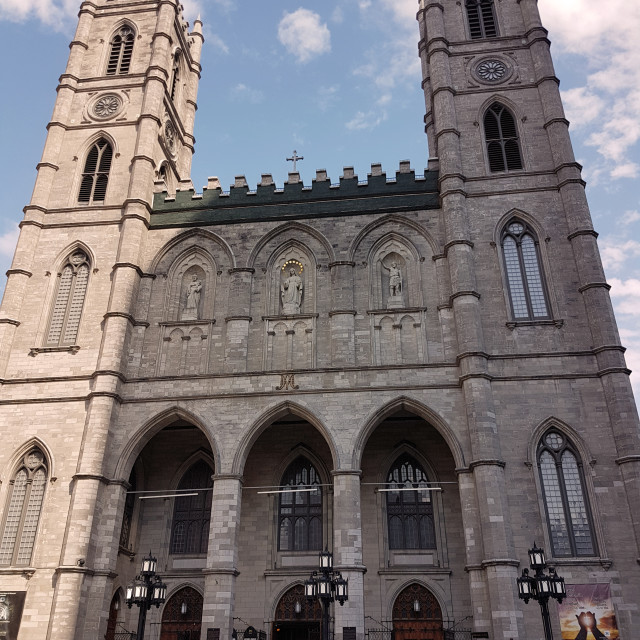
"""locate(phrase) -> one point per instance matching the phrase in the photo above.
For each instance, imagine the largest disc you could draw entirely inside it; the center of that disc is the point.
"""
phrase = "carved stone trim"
(582, 232)
(295, 316)
(22, 272)
(460, 294)
(487, 462)
(185, 323)
(534, 323)
(341, 263)
(15, 323)
(627, 459)
(72, 349)
(376, 312)
(500, 562)
(230, 318)
(594, 285)
(342, 312)
(241, 270)
(455, 242)
(609, 370)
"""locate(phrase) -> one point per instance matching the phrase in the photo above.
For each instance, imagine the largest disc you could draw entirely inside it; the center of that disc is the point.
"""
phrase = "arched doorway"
(296, 618)
(182, 616)
(113, 617)
(417, 615)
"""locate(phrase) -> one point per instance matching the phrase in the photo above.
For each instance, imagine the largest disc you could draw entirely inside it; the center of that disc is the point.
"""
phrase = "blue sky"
(339, 81)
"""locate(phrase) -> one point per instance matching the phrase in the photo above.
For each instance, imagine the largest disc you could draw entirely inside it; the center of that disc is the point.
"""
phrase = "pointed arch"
(265, 420)
(177, 624)
(121, 49)
(68, 297)
(284, 228)
(405, 403)
(432, 587)
(388, 219)
(32, 443)
(165, 256)
(143, 435)
(283, 604)
(96, 168)
(564, 427)
(192, 513)
(24, 502)
(565, 494)
(523, 270)
(502, 138)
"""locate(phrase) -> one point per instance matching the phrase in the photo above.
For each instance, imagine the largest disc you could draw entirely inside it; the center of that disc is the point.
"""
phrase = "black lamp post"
(327, 585)
(145, 590)
(541, 587)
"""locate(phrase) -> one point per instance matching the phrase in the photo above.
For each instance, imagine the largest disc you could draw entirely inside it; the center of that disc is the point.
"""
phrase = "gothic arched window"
(521, 255)
(69, 300)
(409, 511)
(120, 52)
(568, 515)
(95, 176)
(501, 136)
(22, 513)
(192, 514)
(175, 74)
(300, 511)
(482, 19)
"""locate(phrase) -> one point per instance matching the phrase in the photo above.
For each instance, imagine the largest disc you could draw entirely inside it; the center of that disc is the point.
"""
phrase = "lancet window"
(192, 514)
(300, 510)
(69, 300)
(568, 515)
(22, 513)
(481, 19)
(120, 52)
(95, 176)
(409, 510)
(527, 291)
(501, 136)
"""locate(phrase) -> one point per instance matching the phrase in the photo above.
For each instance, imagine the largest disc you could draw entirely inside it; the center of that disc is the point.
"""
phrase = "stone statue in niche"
(395, 299)
(291, 293)
(192, 303)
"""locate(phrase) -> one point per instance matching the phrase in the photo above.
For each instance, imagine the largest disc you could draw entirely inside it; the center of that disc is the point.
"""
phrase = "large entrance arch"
(182, 616)
(417, 615)
(296, 618)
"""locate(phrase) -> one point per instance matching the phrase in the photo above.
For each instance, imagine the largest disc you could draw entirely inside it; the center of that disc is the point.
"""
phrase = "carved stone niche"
(291, 284)
(191, 293)
(394, 275)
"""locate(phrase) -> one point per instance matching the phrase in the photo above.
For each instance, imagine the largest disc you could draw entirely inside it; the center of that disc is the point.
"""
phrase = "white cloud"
(616, 253)
(605, 36)
(242, 93)
(55, 13)
(304, 35)
(626, 296)
(338, 15)
(327, 96)
(629, 217)
(363, 121)
(8, 241)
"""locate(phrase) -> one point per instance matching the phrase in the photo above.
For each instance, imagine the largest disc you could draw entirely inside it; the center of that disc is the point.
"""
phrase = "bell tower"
(123, 120)
(497, 130)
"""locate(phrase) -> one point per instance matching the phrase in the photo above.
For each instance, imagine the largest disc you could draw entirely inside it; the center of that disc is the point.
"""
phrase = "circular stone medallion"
(107, 106)
(491, 70)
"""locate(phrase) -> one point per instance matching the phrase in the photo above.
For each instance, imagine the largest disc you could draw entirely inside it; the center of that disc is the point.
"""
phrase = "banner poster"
(587, 613)
(11, 605)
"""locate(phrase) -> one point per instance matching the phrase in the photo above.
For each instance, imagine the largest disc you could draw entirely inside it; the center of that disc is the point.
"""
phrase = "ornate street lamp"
(327, 585)
(541, 587)
(145, 590)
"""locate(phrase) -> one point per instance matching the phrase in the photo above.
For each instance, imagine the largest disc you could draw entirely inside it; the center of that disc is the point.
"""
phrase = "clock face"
(107, 106)
(491, 70)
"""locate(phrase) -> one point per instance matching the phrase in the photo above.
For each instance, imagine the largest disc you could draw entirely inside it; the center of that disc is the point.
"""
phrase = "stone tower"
(125, 109)
(421, 374)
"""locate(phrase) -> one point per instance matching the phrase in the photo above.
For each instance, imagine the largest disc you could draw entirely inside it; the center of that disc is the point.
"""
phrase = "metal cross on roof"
(295, 159)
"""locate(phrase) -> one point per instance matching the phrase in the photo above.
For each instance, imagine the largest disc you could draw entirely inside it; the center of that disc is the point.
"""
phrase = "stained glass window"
(23, 510)
(526, 286)
(568, 515)
(300, 510)
(409, 511)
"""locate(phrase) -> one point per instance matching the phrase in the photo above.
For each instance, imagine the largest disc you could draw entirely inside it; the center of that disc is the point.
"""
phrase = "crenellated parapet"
(295, 200)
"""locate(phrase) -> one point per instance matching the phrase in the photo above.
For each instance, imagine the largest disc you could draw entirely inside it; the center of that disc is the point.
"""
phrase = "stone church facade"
(421, 373)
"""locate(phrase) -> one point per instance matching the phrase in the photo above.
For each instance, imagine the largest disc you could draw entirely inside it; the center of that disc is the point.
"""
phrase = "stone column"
(342, 314)
(347, 550)
(222, 557)
(238, 319)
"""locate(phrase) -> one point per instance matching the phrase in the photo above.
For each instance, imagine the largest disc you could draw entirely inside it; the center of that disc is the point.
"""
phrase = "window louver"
(121, 52)
(501, 135)
(481, 19)
(95, 176)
